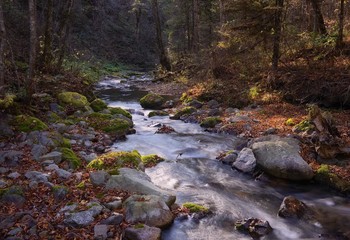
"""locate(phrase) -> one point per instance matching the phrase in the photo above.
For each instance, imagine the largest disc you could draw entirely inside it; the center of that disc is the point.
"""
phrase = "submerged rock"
(137, 181)
(292, 208)
(256, 228)
(148, 209)
(142, 232)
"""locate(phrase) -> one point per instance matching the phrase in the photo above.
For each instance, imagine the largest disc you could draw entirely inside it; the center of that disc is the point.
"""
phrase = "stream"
(193, 173)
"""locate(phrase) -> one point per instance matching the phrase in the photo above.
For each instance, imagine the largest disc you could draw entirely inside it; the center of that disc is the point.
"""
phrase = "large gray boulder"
(148, 209)
(136, 181)
(280, 157)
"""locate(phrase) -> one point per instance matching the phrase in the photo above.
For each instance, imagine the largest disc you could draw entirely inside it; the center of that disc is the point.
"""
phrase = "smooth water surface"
(193, 173)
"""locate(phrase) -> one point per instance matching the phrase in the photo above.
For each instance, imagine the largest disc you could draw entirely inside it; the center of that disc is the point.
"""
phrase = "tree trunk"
(162, 56)
(195, 27)
(277, 34)
(47, 55)
(33, 45)
(2, 48)
(319, 25)
(221, 12)
(63, 31)
(340, 25)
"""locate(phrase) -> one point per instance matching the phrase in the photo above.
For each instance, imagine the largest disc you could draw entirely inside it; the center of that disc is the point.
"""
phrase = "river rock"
(136, 181)
(55, 156)
(213, 104)
(280, 157)
(79, 219)
(114, 220)
(38, 150)
(37, 176)
(100, 231)
(291, 207)
(245, 161)
(117, 204)
(148, 209)
(195, 103)
(99, 178)
(229, 158)
(14, 175)
(143, 232)
(10, 158)
(63, 173)
(256, 228)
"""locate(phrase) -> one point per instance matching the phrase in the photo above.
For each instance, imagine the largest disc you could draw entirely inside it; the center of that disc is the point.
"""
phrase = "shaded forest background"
(233, 48)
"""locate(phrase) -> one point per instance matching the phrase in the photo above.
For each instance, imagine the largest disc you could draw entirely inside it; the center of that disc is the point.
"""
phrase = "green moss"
(303, 126)
(184, 111)
(195, 208)
(53, 118)
(114, 160)
(26, 123)
(253, 92)
(58, 188)
(59, 140)
(157, 113)
(73, 99)
(139, 226)
(152, 101)
(118, 110)
(98, 105)
(210, 122)
(151, 159)
(324, 176)
(69, 156)
(290, 122)
(7, 101)
(106, 123)
(81, 185)
(185, 98)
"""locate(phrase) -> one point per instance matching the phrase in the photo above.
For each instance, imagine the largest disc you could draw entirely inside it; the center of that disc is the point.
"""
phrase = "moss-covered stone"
(11, 190)
(210, 122)
(98, 105)
(115, 160)
(184, 111)
(151, 160)
(26, 123)
(185, 98)
(106, 123)
(290, 122)
(53, 118)
(69, 156)
(59, 140)
(303, 126)
(195, 208)
(158, 113)
(152, 101)
(7, 101)
(325, 176)
(118, 110)
(73, 99)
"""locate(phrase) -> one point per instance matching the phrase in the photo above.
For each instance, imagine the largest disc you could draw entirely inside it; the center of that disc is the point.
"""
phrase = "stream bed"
(194, 175)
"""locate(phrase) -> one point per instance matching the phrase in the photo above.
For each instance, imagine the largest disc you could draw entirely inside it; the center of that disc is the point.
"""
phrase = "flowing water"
(194, 175)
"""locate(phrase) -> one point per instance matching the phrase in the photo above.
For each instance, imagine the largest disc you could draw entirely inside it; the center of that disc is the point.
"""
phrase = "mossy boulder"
(24, 123)
(114, 160)
(303, 126)
(325, 176)
(108, 124)
(195, 208)
(183, 111)
(210, 122)
(151, 160)
(59, 140)
(158, 113)
(118, 110)
(152, 101)
(69, 156)
(98, 105)
(73, 99)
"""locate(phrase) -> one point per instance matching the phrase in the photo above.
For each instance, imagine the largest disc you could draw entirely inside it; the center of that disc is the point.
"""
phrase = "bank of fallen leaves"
(42, 210)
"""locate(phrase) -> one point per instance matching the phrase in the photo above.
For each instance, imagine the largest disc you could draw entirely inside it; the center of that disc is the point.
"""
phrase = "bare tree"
(164, 61)
(319, 25)
(2, 47)
(47, 55)
(341, 25)
(195, 26)
(277, 34)
(63, 31)
(33, 44)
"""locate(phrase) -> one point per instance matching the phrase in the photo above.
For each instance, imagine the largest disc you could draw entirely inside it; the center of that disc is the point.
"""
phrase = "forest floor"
(273, 115)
